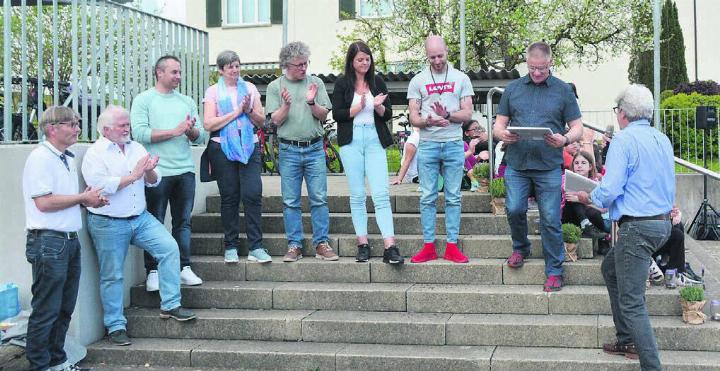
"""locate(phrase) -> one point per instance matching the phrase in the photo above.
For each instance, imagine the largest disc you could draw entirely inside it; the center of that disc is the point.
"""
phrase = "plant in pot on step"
(497, 192)
(692, 300)
(571, 236)
(481, 171)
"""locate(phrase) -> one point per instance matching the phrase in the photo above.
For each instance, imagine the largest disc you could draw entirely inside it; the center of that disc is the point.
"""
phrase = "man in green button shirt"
(298, 104)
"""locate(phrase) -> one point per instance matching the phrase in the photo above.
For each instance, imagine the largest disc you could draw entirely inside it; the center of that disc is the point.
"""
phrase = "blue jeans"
(547, 193)
(179, 191)
(297, 163)
(237, 181)
(112, 237)
(56, 278)
(366, 156)
(434, 157)
(625, 270)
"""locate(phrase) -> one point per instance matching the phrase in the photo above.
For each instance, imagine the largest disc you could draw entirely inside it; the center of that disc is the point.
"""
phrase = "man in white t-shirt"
(408, 164)
(440, 100)
(52, 219)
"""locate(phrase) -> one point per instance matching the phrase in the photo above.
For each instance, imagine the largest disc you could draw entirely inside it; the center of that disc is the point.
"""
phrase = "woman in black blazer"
(361, 109)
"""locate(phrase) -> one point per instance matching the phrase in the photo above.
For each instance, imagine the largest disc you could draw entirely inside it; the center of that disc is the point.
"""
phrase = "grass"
(713, 165)
(393, 159)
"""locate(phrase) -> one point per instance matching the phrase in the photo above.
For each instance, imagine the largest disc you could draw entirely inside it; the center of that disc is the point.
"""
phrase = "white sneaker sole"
(254, 259)
(191, 283)
(292, 261)
(148, 289)
(328, 259)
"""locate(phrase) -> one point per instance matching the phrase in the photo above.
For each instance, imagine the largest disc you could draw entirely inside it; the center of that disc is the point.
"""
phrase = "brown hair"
(589, 158)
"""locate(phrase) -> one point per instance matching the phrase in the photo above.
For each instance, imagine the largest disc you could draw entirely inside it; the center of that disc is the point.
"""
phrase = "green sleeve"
(140, 118)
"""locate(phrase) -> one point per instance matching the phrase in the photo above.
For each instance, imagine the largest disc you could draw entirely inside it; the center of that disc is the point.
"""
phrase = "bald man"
(440, 100)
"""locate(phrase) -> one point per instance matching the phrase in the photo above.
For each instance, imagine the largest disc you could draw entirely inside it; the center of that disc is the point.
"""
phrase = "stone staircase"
(316, 315)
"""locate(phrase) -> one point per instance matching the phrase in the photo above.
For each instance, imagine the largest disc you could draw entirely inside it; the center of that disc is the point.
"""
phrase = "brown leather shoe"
(325, 252)
(627, 350)
(294, 254)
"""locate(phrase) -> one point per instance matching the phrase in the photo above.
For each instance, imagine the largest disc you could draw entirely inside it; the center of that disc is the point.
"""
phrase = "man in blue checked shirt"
(639, 190)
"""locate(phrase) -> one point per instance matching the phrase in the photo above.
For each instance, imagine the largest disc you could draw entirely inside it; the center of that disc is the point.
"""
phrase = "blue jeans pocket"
(52, 247)
(31, 248)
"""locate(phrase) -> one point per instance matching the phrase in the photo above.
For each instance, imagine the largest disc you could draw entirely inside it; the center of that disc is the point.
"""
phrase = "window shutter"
(213, 13)
(347, 9)
(276, 11)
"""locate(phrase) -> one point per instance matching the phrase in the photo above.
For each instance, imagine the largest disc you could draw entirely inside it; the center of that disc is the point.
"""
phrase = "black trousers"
(575, 212)
(674, 248)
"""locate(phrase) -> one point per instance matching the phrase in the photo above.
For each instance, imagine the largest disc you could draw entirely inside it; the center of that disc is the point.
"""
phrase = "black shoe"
(363, 254)
(179, 314)
(119, 338)
(690, 273)
(392, 256)
(591, 232)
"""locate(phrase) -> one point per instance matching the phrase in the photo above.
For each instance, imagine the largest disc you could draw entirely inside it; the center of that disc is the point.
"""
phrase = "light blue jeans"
(434, 157)
(297, 163)
(365, 156)
(111, 238)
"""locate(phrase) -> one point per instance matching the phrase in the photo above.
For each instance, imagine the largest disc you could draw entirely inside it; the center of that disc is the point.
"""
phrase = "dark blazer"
(342, 98)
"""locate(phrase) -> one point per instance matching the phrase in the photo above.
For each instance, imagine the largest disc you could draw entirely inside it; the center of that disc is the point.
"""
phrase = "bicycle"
(267, 138)
(332, 157)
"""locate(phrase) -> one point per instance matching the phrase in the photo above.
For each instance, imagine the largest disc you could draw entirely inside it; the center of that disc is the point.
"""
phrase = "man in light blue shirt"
(639, 190)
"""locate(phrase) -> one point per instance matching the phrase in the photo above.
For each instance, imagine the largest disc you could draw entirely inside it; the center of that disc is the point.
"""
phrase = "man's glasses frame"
(72, 124)
(300, 65)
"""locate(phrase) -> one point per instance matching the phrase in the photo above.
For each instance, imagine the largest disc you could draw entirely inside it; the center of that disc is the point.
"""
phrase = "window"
(247, 12)
(375, 8)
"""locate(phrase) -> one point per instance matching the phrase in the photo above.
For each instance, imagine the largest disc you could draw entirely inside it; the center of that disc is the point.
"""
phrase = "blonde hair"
(57, 114)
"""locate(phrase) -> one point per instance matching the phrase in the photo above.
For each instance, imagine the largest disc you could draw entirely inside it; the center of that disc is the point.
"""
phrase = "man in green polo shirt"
(166, 123)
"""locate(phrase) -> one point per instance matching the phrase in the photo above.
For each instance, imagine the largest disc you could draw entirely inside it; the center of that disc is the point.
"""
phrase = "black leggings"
(674, 248)
(575, 212)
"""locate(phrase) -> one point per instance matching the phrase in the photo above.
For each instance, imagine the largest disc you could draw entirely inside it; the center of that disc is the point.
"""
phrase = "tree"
(673, 70)
(369, 30)
(498, 31)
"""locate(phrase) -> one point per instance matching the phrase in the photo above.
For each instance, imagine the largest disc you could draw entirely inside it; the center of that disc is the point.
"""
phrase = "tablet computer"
(575, 182)
(529, 133)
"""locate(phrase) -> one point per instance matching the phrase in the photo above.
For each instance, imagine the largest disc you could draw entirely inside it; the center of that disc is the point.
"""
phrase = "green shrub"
(666, 94)
(481, 170)
(571, 233)
(678, 118)
(393, 159)
(692, 293)
(497, 188)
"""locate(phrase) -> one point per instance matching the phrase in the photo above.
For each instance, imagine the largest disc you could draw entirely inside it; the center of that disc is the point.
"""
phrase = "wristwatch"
(447, 116)
(311, 103)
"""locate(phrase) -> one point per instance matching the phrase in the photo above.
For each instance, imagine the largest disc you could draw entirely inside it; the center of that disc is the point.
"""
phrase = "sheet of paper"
(576, 182)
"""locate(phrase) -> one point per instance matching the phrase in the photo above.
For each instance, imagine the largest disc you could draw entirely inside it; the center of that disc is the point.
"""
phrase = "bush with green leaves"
(481, 170)
(692, 293)
(497, 188)
(571, 233)
(678, 118)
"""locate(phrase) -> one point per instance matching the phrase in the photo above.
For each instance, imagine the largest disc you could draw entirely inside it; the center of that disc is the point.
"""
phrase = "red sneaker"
(426, 254)
(454, 254)
(516, 260)
(553, 283)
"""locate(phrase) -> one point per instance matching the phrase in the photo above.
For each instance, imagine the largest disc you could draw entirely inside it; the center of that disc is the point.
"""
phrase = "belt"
(50, 232)
(131, 217)
(628, 218)
(301, 143)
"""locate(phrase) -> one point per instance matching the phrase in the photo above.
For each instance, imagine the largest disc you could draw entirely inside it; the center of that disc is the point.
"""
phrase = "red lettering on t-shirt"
(440, 87)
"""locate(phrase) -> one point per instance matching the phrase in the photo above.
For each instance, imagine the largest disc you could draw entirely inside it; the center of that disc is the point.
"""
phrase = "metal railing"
(87, 54)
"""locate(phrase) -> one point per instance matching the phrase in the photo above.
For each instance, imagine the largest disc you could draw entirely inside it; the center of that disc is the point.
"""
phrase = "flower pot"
(692, 312)
(571, 252)
(498, 206)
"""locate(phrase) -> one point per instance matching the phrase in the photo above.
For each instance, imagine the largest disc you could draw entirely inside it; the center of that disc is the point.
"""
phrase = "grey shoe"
(119, 338)
(179, 314)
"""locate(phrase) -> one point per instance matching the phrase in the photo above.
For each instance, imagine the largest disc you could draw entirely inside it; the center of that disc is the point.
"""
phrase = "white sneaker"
(188, 277)
(152, 283)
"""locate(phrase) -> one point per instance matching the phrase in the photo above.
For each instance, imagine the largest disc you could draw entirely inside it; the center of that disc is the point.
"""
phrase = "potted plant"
(571, 237)
(497, 192)
(481, 172)
(692, 300)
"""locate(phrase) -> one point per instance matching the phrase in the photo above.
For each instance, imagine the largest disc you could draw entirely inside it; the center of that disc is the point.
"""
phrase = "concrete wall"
(86, 325)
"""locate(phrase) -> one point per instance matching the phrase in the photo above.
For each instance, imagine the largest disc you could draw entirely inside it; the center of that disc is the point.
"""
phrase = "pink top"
(211, 96)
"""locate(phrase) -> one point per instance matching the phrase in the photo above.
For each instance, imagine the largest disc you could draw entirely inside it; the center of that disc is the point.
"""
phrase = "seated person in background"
(569, 153)
(408, 164)
(585, 216)
(476, 145)
(672, 256)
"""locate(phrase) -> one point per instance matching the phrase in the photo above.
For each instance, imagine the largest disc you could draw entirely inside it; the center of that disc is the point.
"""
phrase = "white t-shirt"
(366, 115)
(448, 89)
(45, 174)
(412, 172)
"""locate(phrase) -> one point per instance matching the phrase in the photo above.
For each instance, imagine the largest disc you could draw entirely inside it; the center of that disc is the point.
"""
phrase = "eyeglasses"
(617, 109)
(72, 124)
(538, 68)
(300, 65)
(476, 129)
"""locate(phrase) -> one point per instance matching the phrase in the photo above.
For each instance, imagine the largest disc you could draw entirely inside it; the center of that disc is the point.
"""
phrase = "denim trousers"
(237, 181)
(298, 163)
(434, 157)
(365, 157)
(625, 270)
(179, 192)
(112, 238)
(56, 278)
(547, 194)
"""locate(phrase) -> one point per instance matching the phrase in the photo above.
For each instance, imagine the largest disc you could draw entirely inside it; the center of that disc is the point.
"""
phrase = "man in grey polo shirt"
(538, 100)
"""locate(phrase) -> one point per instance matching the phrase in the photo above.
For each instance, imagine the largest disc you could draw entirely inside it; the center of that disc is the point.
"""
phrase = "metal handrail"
(489, 115)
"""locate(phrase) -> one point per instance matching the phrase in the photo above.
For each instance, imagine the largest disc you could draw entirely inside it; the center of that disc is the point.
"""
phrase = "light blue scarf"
(237, 136)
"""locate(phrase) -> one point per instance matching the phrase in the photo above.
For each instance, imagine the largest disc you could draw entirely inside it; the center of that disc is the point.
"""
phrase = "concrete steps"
(402, 297)
(164, 354)
(408, 328)
(474, 246)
